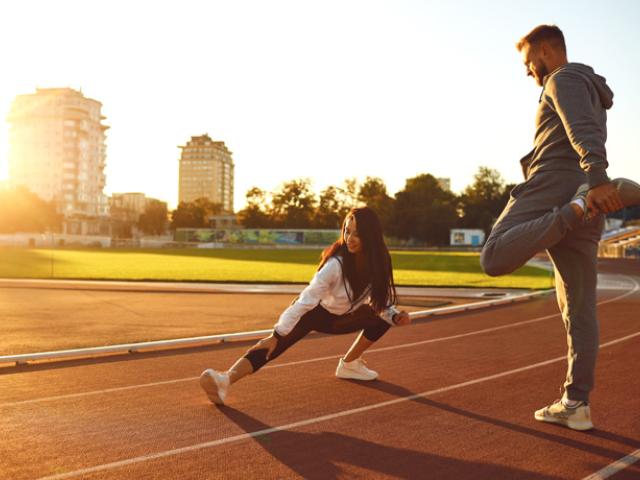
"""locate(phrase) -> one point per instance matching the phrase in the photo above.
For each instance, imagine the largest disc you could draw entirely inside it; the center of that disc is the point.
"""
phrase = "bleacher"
(620, 243)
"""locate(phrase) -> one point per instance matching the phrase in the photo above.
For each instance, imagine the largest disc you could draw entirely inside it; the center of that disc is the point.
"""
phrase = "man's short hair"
(543, 33)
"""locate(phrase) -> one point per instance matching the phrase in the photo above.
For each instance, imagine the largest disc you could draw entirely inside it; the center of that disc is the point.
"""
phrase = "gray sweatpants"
(538, 217)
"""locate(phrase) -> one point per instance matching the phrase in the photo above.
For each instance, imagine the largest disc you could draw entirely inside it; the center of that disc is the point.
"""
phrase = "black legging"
(320, 320)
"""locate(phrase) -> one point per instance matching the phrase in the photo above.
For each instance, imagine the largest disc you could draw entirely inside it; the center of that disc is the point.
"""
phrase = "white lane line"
(615, 467)
(310, 421)
(310, 360)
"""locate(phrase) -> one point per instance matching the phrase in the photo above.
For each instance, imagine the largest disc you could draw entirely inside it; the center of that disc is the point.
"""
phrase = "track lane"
(438, 358)
(54, 379)
(90, 425)
(421, 431)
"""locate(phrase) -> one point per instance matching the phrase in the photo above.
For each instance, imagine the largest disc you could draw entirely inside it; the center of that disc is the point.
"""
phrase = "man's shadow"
(320, 455)
(402, 392)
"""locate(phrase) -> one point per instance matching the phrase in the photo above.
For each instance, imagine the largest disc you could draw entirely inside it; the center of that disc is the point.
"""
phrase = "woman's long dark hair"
(378, 271)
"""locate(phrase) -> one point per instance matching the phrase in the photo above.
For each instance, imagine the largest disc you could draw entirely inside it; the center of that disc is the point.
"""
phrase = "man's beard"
(541, 71)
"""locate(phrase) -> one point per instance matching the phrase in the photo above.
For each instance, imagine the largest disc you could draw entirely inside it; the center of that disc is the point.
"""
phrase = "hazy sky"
(320, 89)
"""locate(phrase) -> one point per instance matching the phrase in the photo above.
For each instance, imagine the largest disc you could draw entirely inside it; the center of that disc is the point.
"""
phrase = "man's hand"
(401, 318)
(269, 343)
(603, 199)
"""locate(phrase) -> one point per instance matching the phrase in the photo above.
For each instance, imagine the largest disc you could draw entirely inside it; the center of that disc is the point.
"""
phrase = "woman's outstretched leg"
(239, 370)
(216, 383)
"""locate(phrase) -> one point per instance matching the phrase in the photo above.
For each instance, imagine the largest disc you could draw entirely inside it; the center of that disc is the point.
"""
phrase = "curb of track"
(25, 358)
(138, 286)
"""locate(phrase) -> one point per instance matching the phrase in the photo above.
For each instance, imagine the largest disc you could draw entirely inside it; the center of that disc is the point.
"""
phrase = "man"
(561, 204)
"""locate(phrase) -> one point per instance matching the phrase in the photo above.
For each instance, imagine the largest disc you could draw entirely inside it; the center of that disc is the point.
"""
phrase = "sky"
(325, 90)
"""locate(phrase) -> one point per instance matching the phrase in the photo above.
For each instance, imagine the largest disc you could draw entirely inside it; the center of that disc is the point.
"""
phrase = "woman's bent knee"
(375, 332)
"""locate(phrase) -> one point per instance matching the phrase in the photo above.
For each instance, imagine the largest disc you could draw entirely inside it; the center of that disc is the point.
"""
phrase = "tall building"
(206, 170)
(57, 149)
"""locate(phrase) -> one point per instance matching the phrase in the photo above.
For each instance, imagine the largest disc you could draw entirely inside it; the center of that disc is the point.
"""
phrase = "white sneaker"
(215, 385)
(577, 418)
(356, 370)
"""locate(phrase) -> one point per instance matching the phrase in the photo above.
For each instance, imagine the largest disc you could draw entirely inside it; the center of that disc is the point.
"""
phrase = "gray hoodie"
(571, 124)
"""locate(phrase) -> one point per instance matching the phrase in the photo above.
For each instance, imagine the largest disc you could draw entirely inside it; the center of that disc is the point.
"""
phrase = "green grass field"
(245, 265)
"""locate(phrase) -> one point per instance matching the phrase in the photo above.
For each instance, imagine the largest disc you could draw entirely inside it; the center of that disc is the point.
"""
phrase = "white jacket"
(328, 289)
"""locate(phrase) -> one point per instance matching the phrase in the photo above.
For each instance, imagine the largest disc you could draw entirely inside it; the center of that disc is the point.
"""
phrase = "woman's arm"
(320, 285)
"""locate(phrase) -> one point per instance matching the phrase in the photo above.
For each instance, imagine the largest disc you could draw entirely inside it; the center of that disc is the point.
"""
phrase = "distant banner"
(257, 237)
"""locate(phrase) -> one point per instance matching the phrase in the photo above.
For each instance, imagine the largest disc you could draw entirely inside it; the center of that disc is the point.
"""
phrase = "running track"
(455, 400)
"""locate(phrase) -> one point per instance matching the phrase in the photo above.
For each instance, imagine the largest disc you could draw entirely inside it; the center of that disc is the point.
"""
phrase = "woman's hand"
(269, 343)
(401, 318)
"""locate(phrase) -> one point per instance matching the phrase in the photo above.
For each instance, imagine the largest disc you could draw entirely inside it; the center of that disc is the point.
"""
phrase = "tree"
(194, 214)
(187, 215)
(330, 210)
(424, 211)
(23, 211)
(255, 215)
(348, 195)
(294, 204)
(208, 207)
(373, 193)
(482, 202)
(154, 219)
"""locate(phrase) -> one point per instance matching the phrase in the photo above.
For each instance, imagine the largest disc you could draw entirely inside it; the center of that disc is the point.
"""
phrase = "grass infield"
(251, 266)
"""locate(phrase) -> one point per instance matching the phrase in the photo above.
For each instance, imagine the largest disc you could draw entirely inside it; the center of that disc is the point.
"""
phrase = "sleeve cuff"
(388, 315)
(276, 334)
(597, 176)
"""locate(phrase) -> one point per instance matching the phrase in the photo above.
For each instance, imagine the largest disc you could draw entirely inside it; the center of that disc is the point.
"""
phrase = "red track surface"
(455, 400)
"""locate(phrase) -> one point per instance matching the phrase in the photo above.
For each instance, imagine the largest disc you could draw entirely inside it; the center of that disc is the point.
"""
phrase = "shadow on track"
(320, 455)
(399, 391)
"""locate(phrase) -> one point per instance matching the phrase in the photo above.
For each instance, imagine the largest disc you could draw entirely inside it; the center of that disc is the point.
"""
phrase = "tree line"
(422, 211)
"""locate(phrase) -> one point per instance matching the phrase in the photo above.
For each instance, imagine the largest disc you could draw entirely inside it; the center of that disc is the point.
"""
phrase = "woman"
(352, 290)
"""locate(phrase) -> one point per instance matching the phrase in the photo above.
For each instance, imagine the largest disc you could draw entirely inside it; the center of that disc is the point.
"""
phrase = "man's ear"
(544, 49)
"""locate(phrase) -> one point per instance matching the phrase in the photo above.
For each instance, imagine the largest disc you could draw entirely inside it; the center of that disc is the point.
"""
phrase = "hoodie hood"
(598, 81)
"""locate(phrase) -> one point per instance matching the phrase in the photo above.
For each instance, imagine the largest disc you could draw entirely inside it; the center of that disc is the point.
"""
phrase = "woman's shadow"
(320, 455)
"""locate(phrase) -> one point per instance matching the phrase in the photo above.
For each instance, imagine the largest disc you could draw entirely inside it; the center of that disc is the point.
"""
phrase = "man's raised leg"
(531, 222)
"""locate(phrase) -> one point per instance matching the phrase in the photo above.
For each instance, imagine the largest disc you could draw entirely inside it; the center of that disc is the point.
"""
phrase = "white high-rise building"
(57, 149)
(206, 171)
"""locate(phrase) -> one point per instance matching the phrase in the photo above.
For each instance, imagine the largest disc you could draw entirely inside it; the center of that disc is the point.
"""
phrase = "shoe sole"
(348, 376)
(581, 426)
(210, 387)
